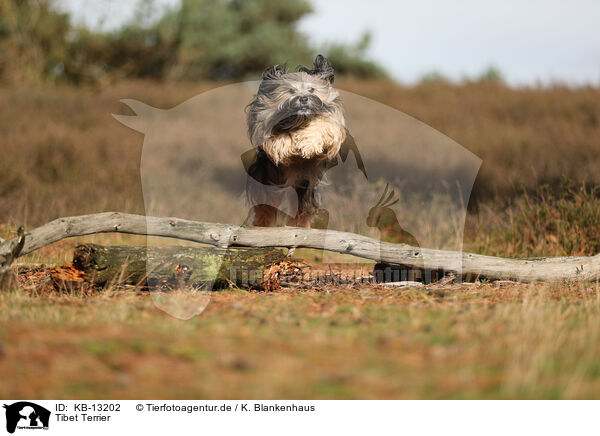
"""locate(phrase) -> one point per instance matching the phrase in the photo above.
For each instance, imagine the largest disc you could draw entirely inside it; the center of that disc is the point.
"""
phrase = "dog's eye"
(311, 90)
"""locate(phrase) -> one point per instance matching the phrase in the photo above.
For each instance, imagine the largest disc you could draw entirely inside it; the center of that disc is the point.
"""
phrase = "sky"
(530, 41)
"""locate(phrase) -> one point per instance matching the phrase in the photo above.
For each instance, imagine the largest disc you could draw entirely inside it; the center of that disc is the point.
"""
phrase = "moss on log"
(173, 266)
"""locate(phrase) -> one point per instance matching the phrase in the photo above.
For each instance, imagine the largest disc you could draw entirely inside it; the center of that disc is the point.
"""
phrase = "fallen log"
(226, 235)
(173, 266)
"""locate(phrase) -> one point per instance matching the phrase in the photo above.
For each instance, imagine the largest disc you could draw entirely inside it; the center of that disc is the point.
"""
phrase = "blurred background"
(541, 42)
(518, 85)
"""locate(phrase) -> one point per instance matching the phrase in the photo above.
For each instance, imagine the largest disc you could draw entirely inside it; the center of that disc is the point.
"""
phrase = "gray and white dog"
(296, 124)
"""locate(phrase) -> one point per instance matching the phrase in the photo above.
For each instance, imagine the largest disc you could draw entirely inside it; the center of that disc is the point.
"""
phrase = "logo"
(26, 415)
(395, 180)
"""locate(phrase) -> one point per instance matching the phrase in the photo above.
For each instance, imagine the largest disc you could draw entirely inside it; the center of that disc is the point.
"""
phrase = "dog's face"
(286, 101)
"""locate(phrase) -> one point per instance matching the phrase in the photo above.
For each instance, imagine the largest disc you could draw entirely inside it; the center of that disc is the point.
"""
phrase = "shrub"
(550, 223)
(202, 39)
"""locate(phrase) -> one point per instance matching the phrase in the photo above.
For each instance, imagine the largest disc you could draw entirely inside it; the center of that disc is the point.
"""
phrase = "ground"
(535, 195)
(483, 340)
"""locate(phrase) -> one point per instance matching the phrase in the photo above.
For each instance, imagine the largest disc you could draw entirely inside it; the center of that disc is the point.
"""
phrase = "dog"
(297, 127)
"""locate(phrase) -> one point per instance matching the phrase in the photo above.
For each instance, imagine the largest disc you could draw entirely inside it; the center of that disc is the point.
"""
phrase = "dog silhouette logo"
(26, 415)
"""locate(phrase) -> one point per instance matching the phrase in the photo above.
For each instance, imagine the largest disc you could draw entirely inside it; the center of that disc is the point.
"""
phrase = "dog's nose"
(303, 99)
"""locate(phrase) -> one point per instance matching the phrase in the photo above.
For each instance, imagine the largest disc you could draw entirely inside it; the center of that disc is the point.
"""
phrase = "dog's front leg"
(264, 215)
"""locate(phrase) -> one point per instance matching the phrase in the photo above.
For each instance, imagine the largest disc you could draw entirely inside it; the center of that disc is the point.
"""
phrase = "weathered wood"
(14, 252)
(223, 235)
(187, 266)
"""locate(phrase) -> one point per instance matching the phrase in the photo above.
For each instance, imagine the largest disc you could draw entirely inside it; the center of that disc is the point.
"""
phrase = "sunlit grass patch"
(485, 341)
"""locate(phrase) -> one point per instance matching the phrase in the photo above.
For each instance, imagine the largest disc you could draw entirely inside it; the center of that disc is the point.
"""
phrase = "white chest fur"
(321, 137)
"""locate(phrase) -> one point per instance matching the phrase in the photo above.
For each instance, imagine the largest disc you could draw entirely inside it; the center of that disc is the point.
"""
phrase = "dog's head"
(286, 101)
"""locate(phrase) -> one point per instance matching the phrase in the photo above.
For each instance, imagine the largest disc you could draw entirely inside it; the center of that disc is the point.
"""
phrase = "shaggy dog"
(296, 124)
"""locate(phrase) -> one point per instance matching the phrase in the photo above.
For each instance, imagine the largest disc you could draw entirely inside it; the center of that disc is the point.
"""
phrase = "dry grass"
(65, 155)
(526, 137)
(485, 341)
(544, 224)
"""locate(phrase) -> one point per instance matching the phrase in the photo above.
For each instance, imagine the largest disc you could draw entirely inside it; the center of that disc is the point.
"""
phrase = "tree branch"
(19, 243)
(224, 235)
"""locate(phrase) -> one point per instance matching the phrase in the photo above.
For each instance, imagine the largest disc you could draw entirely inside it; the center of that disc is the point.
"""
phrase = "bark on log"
(181, 266)
(223, 235)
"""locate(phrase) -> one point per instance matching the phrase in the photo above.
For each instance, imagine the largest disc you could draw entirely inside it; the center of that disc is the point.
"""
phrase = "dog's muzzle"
(305, 104)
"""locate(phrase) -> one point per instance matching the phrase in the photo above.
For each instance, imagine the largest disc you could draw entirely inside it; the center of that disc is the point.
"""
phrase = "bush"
(33, 39)
(551, 223)
(202, 39)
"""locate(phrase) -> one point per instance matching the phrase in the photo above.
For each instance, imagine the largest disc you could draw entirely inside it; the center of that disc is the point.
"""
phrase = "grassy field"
(56, 137)
(478, 341)
(536, 195)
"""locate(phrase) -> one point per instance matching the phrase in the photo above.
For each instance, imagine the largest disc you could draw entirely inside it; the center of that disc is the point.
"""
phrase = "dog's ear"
(321, 67)
(324, 68)
(274, 73)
